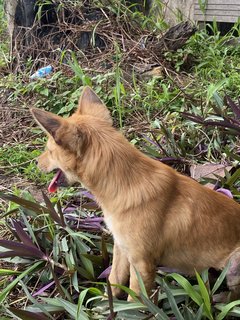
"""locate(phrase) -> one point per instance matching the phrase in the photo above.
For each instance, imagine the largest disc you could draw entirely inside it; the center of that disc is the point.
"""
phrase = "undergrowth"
(19, 159)
(55, 254)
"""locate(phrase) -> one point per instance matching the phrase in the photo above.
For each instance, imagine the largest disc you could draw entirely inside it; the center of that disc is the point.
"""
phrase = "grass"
(4, 46)
(56, 251)
(20, 159)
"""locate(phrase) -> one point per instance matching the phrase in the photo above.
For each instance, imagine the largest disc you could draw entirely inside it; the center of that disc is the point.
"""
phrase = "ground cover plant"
(55, 250)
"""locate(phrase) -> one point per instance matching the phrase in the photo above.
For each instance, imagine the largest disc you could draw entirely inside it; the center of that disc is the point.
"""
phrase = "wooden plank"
(216, 18)
(224, 7)
(229, 2)
(219, 13)
(219, 10)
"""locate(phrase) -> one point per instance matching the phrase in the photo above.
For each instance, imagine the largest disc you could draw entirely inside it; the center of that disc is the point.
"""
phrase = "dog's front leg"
(120, 270)
(147, 270)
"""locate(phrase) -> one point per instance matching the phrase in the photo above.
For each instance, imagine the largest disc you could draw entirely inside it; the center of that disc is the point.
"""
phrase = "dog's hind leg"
(120, 270)
(233, 275)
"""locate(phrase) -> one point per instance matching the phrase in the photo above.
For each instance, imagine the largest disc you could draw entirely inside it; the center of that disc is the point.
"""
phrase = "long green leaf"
(158, 313)
(172, 302)
(131, 315)
(193, 294)
(79, 234)
(220, 279)
(29, 228)
(219, 101)
(81, 298)
(233, 178)
(205, 296)
(226, 309)
(127, 290)
(125, 305)
(88, 266)
(7, 272)
(68, 306)
(141, 283)
(213, 88)
(175, 293)
(199, 314)
(7, 290)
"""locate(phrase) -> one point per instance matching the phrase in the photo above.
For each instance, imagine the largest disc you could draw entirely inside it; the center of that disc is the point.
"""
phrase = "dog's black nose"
(36, 161)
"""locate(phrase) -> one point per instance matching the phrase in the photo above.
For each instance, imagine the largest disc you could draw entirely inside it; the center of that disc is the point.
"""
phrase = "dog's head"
(69, 139)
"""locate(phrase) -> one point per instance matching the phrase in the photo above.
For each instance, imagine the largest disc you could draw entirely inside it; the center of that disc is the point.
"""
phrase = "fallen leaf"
(208, 170)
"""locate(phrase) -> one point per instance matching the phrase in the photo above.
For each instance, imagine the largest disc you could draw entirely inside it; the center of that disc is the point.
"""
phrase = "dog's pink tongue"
(54, 183)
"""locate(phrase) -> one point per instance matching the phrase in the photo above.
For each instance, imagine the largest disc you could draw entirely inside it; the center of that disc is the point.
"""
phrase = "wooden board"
(219, 10)
(217, 2)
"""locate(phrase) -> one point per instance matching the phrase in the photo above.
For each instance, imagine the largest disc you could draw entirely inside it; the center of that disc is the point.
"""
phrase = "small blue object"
(41, 73)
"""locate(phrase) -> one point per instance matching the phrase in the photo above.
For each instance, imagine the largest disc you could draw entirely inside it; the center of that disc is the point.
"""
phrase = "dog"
(157, 216)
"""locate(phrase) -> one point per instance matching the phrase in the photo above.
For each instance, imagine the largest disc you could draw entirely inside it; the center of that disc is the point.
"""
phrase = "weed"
(4, 43)
(62, 253)
(21, 159)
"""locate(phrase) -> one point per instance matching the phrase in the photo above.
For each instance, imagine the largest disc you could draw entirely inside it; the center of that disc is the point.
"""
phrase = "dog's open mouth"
(59, 180)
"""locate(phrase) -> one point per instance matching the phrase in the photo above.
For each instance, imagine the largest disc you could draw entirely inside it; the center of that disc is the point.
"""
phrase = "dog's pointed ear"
(49, 122)
(90, 104)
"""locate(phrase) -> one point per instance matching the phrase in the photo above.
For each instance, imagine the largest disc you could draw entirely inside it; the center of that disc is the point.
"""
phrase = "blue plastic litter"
(42, 72)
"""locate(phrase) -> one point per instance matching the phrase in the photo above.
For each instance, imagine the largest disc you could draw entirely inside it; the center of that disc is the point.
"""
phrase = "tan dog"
(157, 216)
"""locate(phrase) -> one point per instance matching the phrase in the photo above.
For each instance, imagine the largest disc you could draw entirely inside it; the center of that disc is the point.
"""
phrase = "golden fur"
(157, 216)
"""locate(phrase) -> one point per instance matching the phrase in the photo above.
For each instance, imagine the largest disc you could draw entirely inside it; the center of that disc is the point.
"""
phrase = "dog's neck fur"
(115, 172)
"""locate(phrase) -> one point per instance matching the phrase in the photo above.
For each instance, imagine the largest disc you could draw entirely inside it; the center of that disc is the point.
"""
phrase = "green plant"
(4, 43)
(20, 159)
(62, 252)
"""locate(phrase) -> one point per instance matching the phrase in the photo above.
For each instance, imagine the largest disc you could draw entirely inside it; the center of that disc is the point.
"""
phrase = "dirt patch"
(16, 123)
